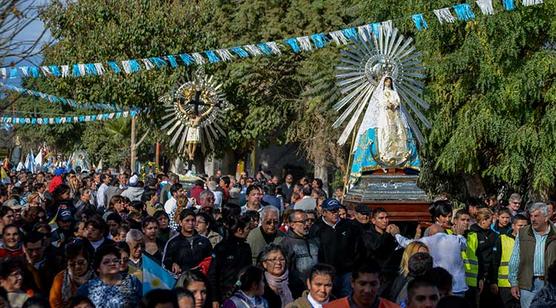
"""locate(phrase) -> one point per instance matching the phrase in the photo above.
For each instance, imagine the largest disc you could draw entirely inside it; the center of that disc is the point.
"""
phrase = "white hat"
(133, 180)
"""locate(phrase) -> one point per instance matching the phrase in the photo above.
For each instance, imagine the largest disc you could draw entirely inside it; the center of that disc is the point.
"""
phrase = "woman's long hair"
(409, 251)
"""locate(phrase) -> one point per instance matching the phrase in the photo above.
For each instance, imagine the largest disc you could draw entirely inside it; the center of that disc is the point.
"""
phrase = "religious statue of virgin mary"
(380, 79)
(384, 139)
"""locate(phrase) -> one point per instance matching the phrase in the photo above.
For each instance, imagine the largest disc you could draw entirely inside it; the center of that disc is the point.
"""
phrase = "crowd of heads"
(65, 235)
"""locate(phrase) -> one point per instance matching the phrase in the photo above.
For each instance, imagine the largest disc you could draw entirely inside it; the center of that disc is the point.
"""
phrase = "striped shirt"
(538, 261)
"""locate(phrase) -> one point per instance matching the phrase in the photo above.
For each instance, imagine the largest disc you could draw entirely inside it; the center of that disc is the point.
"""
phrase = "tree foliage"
(490, 81)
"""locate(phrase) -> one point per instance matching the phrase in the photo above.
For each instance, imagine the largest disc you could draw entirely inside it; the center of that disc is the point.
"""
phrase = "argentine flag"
(156, 277)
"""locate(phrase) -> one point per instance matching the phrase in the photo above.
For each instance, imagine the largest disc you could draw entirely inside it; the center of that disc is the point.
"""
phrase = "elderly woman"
(111, 288)
(11, 242)
(280, 289)
(77, 273)
(135, 241)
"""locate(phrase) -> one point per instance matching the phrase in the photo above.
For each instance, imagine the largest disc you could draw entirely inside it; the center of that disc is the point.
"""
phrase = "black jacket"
(301, 254)
(340, 246)
(187, 253)
(380, 247)
(229, 258)
(485, 250)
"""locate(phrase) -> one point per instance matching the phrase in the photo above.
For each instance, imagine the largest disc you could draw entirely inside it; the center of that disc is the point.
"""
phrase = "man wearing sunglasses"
(301, 250)
(266, 233)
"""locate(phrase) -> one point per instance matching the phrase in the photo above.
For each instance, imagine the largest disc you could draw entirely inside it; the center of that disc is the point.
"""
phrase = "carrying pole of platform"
(348, 170)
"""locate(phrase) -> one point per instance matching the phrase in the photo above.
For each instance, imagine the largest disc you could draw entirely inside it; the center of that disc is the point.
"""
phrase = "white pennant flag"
(305, 43)
(339, 37)
(225, 54)
(387, 27)
(444, 15)
(46, 70)
(127, 66)
(362, 32)
(24, 71)
(253, 50)
(148, 64)
(531, 2)
(100, 68)
(274, 47)
(198, 58)
(82, 70)
(486, 7)
(65, 70)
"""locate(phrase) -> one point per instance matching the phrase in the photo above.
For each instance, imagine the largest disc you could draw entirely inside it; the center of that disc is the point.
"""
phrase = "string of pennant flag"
(463, 12)
(60, 100)
(69, 119)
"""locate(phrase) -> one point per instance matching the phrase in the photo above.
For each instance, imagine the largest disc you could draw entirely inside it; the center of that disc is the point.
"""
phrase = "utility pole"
(133, 146)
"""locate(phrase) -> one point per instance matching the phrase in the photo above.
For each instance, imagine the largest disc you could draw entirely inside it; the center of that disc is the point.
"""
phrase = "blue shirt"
(538, 261)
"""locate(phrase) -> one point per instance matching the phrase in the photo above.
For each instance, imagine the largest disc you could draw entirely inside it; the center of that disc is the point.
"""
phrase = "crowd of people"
(77, 239)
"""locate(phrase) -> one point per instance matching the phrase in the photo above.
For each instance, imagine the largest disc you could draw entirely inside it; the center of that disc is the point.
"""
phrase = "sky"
(30, 33)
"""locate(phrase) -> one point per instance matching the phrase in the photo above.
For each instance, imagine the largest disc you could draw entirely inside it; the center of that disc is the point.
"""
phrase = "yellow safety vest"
(503, 271)
(470, 260)
(449, 231)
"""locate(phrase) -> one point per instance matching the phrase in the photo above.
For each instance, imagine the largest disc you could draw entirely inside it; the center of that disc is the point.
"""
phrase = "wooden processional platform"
(393, 190)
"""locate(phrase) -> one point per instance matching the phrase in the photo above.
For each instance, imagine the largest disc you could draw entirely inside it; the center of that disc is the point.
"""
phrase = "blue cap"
(59, 171)
(64, 215)
(331, 204)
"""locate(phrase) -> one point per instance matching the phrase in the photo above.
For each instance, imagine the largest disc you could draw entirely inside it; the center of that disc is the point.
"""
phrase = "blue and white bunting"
(339, 38)
(509, 5)
(198, 58)
(60, 100)
(225, 54)
(464, 12)
(319, 40)
(274, 47)
(420, 22)
(292, 42)
(253, 50)
(444, 15)
(486, 7)
(305, 43)
(212, 57)
(240, 52)
(67, 119)
(531, 2)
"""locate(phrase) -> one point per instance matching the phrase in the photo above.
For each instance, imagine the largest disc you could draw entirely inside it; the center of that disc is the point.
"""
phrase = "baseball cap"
(363, 209)
(64, 215)
(331, 204)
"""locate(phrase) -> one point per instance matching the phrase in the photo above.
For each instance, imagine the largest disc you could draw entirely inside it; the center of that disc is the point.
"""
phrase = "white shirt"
(313, 302)
(445, 250)
(170, 206)
(101, 195)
